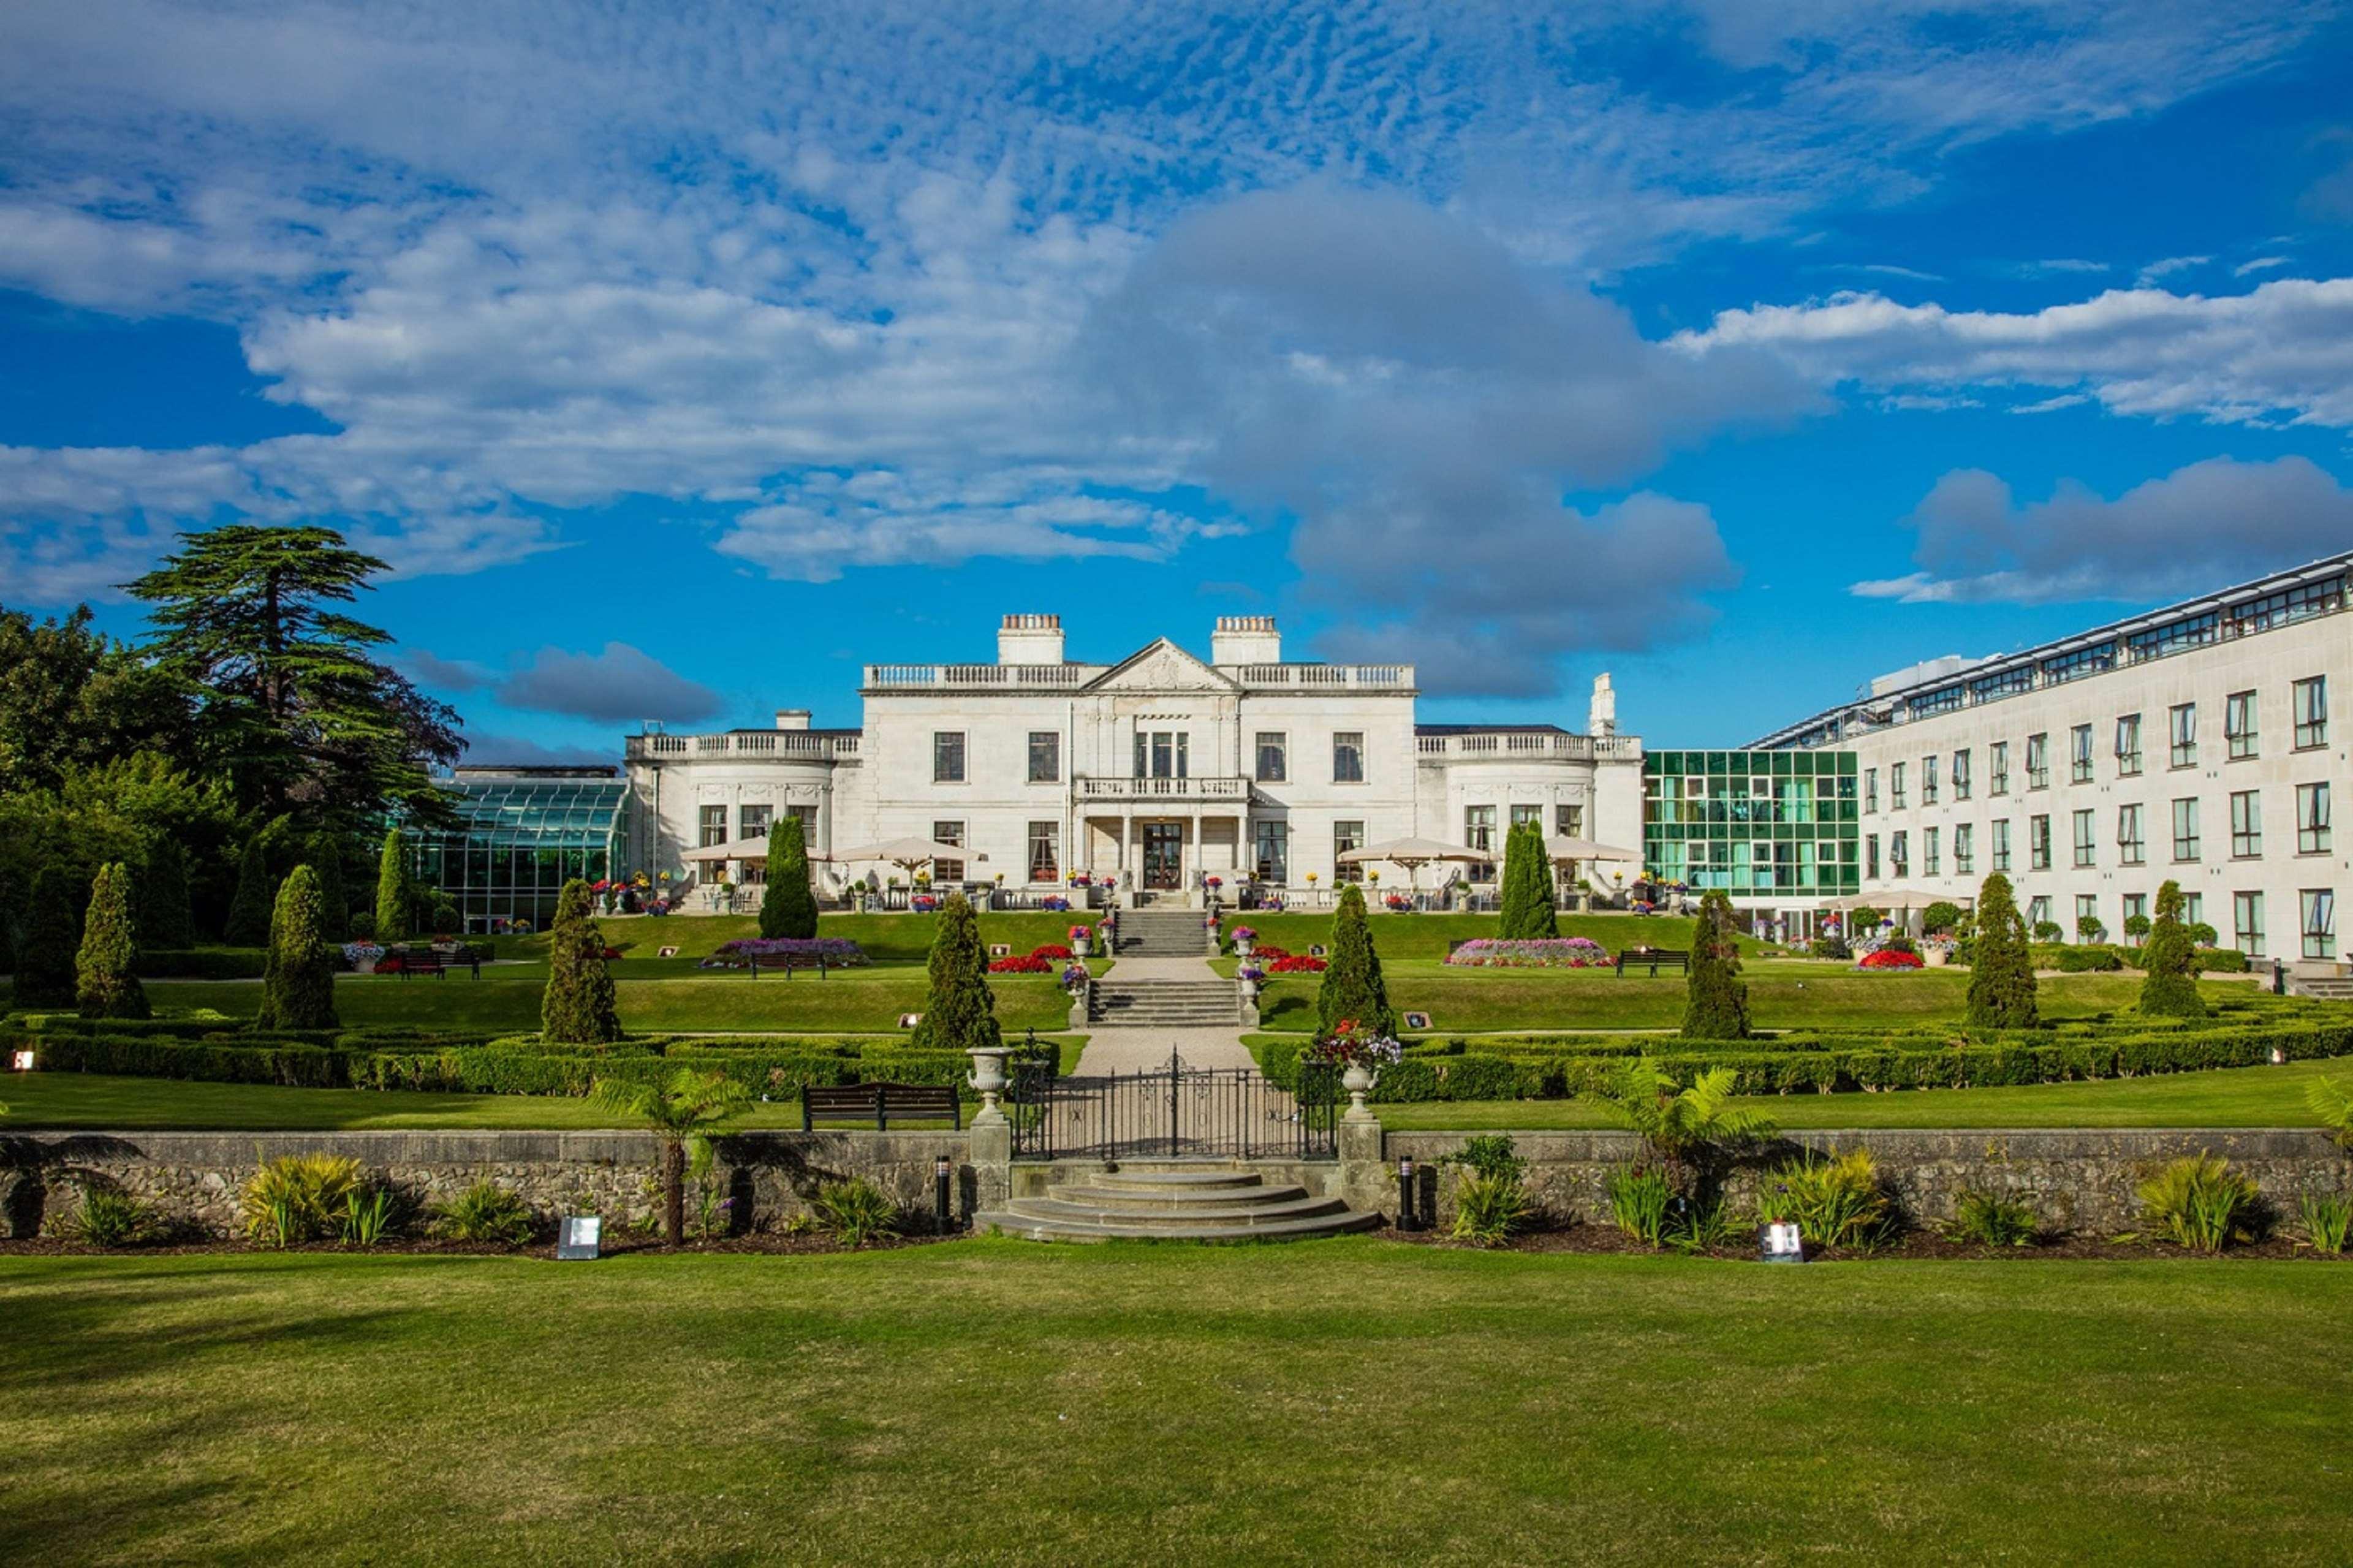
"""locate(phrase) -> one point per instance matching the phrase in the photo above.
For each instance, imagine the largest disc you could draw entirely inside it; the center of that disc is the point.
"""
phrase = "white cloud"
(2207, 522)
(619, 684)
(2260, 264)
(2157, 271)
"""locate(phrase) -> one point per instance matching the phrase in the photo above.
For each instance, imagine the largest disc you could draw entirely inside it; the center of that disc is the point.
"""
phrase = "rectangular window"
(752, 821)
(2001, 845)
(1568, 821)
(1870, 855)
(2086, 840)
(2193, 908)
(2038, 915)
(1273, 757)
(1928, 837)
(2131, 847)
(1965, 847)
(2317, 908)
(1895, 785)
(2038, 844)
(1272, 847)
(2088, 916)
(1045, 756)
(2247, 922)
(2182, 725)
(2079, 755)
(2037, 762)
(1960, 775)
(2312, 713)
(944, 871)
(711, 821)
(1899, 854)
(1479, 833)
(2246, 825)
(2185, 828)
(1045, 852)
(2312, 833)
(2000, 785)
(2239, 725)
(947, 756)
(1348, 756)
(2129, 746)
(1927, 781)
(1870, 789)
(1524, 814)
(2136, 908)
(1346, 835)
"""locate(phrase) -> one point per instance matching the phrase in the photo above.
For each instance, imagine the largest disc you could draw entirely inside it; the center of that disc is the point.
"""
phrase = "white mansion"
(1161, 769)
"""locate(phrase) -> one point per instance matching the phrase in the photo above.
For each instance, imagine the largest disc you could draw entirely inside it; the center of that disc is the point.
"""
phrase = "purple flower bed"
(1558, 953)
(838, 952)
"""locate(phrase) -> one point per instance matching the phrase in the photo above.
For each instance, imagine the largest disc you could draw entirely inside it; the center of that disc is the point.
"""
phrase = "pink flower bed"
(1553, 953)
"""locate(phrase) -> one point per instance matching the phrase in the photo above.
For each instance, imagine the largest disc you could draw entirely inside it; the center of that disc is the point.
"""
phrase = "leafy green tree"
(683, 1113)
(52, 927)
(395, 903)
(1527, 912)
(2169, 988)
(2001, 966)
(580, 1007)
(72, 699)
(167, 923)
(324, 854)
(1353, 988)
(293, 704)
(959, 1009)
(1716, 1000)
(788, 908)
(298, 979)
(1943, 916)
(249, 909)
(1690, 1131)
(105, 985)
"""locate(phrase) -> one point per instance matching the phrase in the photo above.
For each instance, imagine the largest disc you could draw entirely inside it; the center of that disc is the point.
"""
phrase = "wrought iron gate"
(1173, 1112)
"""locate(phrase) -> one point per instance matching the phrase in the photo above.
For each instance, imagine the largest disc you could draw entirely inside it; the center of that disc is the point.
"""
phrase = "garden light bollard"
(1406, 1218)
(942, 1169)
(988, 1077)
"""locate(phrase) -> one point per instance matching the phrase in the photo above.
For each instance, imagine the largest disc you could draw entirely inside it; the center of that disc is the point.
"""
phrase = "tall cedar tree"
(580, 1007)
(393, 899)
(788, 908)
(52, 928)
(166, 923)
(298, 979)
(2169, 989)
(1527, 914)
(959, 1009)
(249, 906)
(105, 985)
(2001, 965)
(1353, 988)
(293, 704)
(1717, 1008)
(325, 855)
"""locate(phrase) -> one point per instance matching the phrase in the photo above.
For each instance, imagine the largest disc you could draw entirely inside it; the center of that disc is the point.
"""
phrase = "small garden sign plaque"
(909, 1020)
(580, 1239)
(1780, 1243)
(1416, 1020)
(667, 953)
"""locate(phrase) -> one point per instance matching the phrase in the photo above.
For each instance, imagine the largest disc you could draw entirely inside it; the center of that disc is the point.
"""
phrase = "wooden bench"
(429, 962)
(907, 1101)
(1653, 959)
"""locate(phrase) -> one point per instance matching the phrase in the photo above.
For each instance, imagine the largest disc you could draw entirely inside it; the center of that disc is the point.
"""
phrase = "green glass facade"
(522, 839)
(1776, 826)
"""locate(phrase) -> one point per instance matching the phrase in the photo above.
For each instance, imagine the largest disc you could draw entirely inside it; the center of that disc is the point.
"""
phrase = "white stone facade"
(2259, 674)
(1162, 769)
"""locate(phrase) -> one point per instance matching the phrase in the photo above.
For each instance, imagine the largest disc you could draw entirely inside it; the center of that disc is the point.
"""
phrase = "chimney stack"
(792, 718)
(1245, 639)
(1029, 639)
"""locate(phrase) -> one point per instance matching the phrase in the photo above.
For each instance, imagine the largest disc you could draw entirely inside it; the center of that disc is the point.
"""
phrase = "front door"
(1163, 856)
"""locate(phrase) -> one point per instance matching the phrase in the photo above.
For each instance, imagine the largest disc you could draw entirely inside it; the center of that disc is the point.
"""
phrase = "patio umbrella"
(1561, 847)
(734, 850)
(904, 853)
(1894, 899)
(1413, 854)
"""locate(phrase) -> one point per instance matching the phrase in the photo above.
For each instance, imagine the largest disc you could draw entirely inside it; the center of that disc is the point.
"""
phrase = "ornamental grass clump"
(109, 1216)
(297, 1198)
(2201, 1202)
(2326, 1217)
(105, 985)
(1992, 1219)
(855, 1212)
(1640, 1198)
(1834, 1202)
(1490, 1196)
(487, 1212)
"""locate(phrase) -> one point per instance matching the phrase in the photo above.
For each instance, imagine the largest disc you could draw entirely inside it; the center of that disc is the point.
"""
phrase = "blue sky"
(679, 366)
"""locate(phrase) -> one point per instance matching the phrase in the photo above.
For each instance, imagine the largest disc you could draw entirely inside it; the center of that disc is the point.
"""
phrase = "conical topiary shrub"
(1353, 988)
(394, 901)
(52, 930)
(249, 906)
(788, 909)
(166, 923)
(959, 1009)
(105, 985)
(1717, 1001)
(325, 855)
(2169, 989)
(2002, 967)
(298, 981)
(1527, 912)
(580, 1007)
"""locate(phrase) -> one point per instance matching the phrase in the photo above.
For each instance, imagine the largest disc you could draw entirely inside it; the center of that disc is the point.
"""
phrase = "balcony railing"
(1529, 743)
(979, 677)
(1198, 789)
(793, 744)
(1327, 677)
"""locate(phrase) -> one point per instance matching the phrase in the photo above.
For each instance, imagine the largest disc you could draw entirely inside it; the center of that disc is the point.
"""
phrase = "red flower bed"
(1028, 964)
(1051, 950)
(1267, 952)
(1296, 964)
(1888, 958)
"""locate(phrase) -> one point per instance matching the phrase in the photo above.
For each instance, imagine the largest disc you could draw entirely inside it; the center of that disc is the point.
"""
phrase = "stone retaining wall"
(194, 1178)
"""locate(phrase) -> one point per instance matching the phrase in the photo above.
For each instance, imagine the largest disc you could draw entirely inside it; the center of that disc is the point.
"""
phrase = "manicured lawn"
(2230, 1097)
(905, 938)
(1000, 1402)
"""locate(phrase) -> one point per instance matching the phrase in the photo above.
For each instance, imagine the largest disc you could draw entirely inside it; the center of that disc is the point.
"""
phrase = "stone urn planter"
(988, 1077)
(1243, 944)
(1936, 957)
(1358, 1080)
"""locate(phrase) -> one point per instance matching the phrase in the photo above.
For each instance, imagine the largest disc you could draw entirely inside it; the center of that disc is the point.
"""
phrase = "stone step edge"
(1007, 1223)
(1035, 1210)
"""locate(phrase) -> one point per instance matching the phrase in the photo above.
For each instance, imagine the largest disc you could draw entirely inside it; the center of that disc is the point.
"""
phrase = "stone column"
(1365, 1180)
(992, 1164)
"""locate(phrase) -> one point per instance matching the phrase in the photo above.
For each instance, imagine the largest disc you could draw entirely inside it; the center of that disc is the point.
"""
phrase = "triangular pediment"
(1161, 666)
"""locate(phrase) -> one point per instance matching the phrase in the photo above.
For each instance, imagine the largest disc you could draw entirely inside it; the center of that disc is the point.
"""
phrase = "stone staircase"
(1162, 933)
(1173, 1203)
(1208, 1003)
(2329, 989)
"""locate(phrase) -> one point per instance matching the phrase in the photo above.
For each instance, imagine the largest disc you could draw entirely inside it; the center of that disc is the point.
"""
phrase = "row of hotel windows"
(2313, 836)
(1159, 754)
(2315, 918)
(2239, 733)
